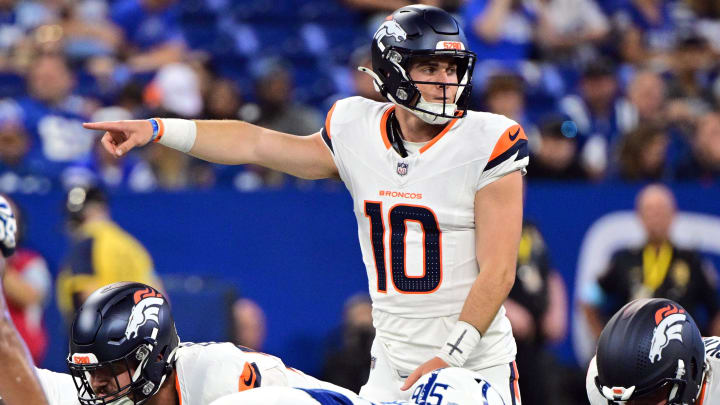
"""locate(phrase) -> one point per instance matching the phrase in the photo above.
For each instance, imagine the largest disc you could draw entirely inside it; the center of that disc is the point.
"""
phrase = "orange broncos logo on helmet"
(669, 320)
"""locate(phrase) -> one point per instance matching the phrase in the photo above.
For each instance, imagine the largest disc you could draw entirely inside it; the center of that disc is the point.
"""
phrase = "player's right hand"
(121, 136)
(8, 228)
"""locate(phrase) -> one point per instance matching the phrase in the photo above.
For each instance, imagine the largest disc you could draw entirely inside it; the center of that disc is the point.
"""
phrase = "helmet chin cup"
(431, 117)
(122, 401)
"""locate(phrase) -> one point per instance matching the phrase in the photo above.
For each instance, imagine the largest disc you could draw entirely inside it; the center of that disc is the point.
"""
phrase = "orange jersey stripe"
(438, 136)
(327, 120)
(177, 388)
(515, 384)
(701, 398)
(509, 138)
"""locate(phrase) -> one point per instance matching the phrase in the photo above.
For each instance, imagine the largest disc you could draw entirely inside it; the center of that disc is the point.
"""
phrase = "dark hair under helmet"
(650, 344)
(417, 31)
(122, 328)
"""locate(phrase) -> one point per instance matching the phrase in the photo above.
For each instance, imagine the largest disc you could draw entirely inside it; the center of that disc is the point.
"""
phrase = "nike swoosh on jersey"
(249, 379)
(513, 136)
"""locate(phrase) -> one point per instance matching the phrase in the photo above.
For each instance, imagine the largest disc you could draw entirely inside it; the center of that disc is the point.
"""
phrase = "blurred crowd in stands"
(606, 90)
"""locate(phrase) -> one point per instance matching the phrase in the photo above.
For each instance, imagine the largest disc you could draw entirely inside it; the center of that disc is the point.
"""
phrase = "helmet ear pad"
(164, 359)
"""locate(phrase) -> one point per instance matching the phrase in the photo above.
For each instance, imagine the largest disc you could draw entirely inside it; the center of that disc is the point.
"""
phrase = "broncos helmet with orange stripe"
(122, 328)
(648, 348)
(420, 31)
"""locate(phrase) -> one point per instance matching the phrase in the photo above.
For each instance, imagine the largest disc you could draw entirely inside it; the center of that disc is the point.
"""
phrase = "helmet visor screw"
(395, 57)
(142, 353)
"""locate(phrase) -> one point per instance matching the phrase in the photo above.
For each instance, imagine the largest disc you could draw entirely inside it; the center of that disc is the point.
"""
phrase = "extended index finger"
(118, 126)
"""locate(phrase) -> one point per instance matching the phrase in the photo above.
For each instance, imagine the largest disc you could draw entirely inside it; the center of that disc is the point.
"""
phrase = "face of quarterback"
(435, 69)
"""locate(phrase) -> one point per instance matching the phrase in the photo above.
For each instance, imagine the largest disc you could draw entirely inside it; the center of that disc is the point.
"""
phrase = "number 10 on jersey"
(398, 216)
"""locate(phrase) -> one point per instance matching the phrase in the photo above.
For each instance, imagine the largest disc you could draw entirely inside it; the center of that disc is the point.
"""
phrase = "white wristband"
(176, 133)
(460, 344)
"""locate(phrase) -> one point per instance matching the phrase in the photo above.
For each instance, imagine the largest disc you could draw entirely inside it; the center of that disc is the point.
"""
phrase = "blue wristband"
(155, 127)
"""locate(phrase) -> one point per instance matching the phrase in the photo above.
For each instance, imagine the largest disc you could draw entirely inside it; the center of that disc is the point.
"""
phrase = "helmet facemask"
(138, 388)
(671, 389)
(398, 87)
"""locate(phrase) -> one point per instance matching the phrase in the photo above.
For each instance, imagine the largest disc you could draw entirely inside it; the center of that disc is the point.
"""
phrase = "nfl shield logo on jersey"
(402, 168)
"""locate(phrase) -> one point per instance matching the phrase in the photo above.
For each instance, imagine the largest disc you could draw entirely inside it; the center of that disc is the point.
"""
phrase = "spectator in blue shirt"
(703, 161)
(152, 29)
(17, 172)
(649, 31)
(501, 30)
(53, 117)
(594, 110)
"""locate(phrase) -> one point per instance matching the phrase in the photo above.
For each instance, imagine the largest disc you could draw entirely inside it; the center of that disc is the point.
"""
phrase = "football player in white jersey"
(123, 346)
(651, 353)
(437, 193)
(444, 386)
(124, 350)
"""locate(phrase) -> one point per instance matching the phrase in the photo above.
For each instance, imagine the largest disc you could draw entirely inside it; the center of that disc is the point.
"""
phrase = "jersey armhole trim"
(327, 140)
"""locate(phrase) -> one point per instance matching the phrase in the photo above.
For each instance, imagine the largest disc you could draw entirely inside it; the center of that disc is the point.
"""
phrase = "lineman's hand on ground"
(8, 228)
(430, 365)
(121, 136)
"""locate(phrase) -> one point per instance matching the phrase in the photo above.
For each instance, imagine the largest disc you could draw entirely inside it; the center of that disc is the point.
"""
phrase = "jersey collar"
(385, 135)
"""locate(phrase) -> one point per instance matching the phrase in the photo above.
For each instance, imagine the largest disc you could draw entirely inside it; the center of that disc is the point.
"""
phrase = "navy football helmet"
(420, 31)
(122, 328)
(650, 345)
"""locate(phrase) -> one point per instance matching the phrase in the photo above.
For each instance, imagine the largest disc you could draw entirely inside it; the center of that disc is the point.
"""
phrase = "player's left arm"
(498, 226)
(18, 382)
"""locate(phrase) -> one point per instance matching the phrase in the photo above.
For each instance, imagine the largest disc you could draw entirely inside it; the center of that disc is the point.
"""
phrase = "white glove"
(8, 228)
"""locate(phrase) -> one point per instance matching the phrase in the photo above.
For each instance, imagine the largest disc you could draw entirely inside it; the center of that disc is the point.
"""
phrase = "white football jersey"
(448, 386)
(204, 373)
(415, 215)
(208, 371)
(59, 388)
(709, 393)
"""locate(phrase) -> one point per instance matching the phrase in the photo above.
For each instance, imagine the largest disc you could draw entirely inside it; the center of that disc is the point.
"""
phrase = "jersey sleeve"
(208, 371)
(344, 120)
(59, 388)
(509, 154)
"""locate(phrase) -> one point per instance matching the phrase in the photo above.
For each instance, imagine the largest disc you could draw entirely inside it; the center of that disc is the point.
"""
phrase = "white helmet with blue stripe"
(454, 385)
